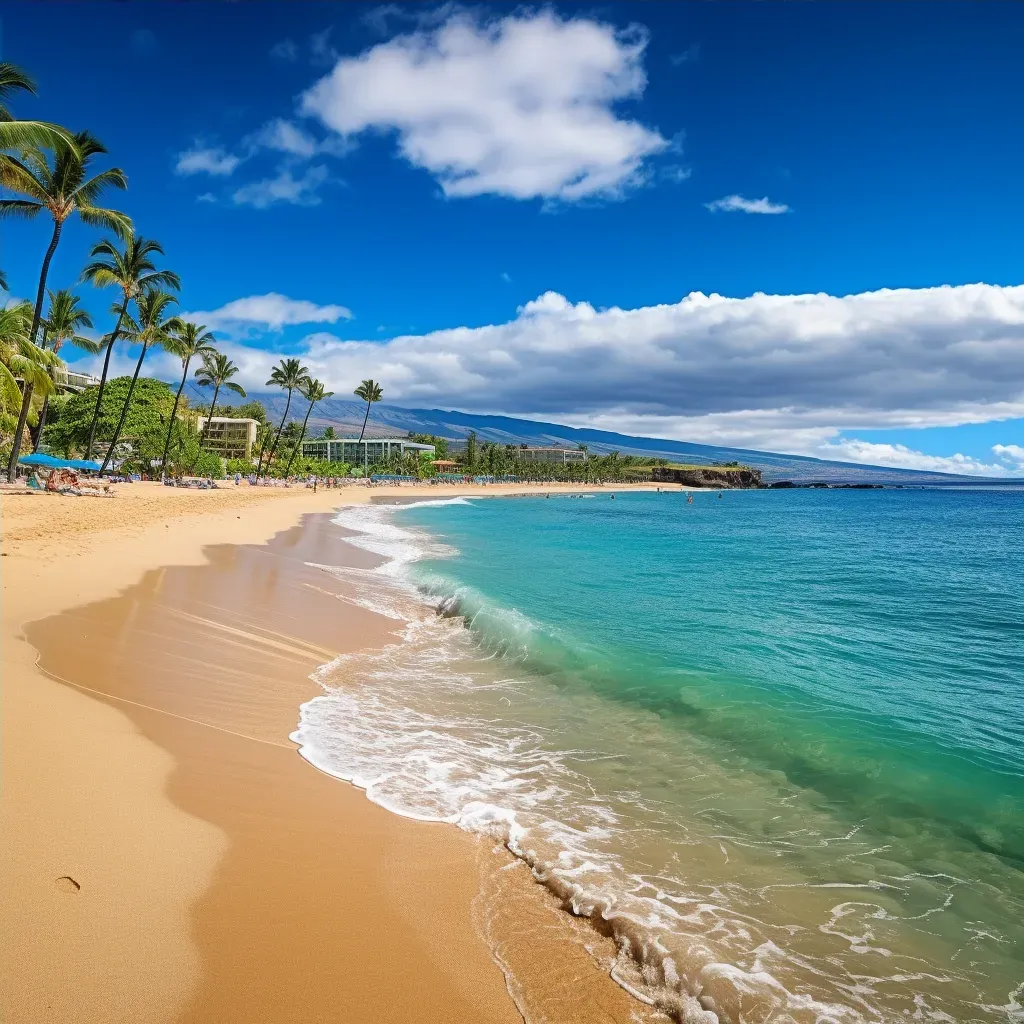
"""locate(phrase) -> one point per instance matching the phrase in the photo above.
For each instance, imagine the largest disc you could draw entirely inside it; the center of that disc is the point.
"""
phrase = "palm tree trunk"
(363, 431)
(103, 377)
(12, 464)
(124, 409)
(46, 405)
(174, 413)
(295, 451)
(26, 394)
(202, 433)
(277, 437)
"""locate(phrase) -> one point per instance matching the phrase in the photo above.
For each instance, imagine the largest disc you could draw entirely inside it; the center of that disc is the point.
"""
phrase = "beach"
(167, 856)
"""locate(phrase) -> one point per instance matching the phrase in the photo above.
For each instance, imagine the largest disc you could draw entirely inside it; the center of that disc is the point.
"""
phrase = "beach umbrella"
(93, 467)
(40, 459)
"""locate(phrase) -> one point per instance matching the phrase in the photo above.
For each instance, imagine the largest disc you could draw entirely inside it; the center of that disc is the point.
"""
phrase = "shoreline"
(94, 800)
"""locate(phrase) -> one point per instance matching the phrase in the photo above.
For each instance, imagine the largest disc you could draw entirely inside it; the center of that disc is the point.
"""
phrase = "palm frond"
(113, 220)
(15, 134)
(161, 278)
(18, 176)
(13, 77)
(19, 208)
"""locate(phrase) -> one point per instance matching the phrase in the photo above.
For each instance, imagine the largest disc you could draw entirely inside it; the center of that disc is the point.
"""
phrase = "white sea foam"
(437, 727)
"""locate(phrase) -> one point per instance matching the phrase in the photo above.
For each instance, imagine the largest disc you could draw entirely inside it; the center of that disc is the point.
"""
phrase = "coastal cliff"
(708, 476)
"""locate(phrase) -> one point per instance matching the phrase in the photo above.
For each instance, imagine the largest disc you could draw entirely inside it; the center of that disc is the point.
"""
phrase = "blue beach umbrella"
(83, 464)
(39, 459)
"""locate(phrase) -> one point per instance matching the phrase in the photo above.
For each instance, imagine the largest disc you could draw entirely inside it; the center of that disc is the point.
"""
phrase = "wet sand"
(167, 856)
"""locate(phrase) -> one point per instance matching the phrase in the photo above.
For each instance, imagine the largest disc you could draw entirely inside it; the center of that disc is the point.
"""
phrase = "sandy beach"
(167, 856)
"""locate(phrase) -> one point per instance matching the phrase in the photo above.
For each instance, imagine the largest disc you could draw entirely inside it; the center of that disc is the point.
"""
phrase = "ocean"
(772, 742)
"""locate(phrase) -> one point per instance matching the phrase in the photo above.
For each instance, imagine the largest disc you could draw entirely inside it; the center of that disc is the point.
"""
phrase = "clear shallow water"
(772, 741)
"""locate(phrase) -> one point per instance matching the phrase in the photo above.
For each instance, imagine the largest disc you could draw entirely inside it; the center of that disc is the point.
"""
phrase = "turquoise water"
(776, 739)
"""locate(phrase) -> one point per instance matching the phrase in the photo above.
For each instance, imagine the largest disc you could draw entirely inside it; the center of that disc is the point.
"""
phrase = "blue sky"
(407, 183)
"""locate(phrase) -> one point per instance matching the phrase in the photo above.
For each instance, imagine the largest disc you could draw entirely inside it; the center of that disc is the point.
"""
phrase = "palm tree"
(369, 391)
(17, 134)
(187, 342)
(313, 392)
(288, 374)
(62, 324)
(133, 271)
(3, 281)
(21, 358)
(62, 190)
(154, 327)
(217, 370)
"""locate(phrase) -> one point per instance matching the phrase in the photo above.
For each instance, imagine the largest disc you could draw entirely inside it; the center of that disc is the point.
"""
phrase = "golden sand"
(166, 855)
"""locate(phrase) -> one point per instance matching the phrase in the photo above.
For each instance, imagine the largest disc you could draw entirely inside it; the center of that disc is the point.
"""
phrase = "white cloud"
(287, 137)
(790, 373)
(1010, 453)
(285, 187)
(206, 197)
(901, 457)
(506, 277)
(737, 204)
(522, 106)
(206, 160)
(271, 312)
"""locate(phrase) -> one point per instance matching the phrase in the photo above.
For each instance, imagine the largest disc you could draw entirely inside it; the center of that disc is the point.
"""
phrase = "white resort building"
(359, 453)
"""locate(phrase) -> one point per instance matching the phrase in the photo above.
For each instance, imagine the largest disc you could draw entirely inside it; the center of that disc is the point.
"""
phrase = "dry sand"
(166, 855)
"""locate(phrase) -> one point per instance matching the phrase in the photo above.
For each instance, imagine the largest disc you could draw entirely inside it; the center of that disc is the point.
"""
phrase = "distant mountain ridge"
(347, 417)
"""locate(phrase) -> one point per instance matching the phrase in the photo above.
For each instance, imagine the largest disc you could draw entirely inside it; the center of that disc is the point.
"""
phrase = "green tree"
(471, 451)
(153, 328)
(18, 134)
(313, 391)
(133, 271)
(20, 358)
(289, 374)
(62, 324)
(143, 429)
(186, 341)
(329, 434)
(245, 411)
(62, 189)
(216, 372)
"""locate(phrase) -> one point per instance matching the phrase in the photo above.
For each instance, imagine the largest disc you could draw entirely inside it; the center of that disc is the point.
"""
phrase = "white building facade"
(359, 453)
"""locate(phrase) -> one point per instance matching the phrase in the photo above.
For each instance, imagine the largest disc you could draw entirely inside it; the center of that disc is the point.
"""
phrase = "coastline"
(162, 819)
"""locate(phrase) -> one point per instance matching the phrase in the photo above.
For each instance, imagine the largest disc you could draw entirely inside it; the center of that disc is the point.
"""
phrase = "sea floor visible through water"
(765, 749)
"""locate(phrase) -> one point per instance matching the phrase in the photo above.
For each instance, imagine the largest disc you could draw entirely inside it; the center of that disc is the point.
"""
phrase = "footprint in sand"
(67, 884)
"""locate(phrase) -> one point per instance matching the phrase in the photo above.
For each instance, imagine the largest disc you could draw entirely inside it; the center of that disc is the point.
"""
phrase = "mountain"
(347, 417)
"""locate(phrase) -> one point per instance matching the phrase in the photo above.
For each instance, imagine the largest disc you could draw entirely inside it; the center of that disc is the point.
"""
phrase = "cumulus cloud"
(1012, 454)
(793, 373)
(284, 187)
(206, 160)
(737, 204)
(270, 312)
(521, 106)
(901, 457)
